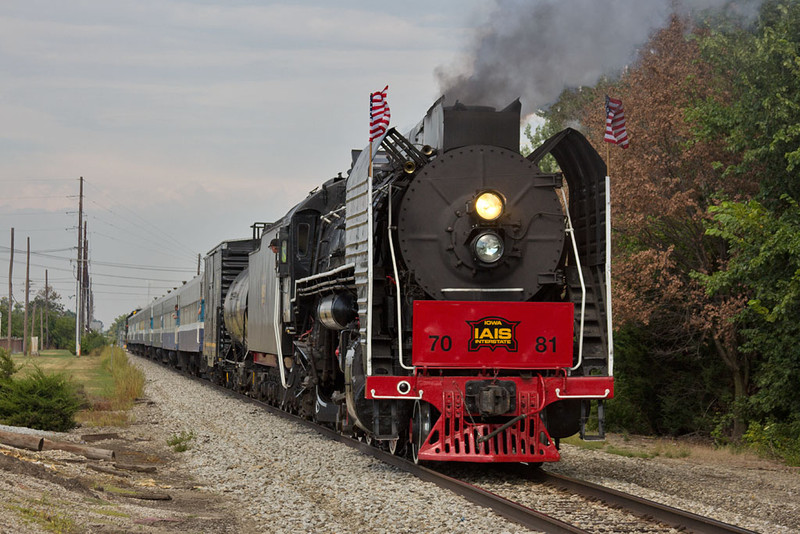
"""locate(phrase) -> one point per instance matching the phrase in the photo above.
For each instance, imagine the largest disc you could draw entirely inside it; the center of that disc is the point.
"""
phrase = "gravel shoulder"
(251, 472)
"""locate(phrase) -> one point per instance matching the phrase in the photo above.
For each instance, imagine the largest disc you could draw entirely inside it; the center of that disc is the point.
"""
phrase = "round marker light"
(489, 206)
(488, 247)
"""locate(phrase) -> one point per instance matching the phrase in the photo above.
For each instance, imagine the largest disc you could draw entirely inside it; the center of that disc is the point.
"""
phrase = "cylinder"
(336, 311)
(235, 307)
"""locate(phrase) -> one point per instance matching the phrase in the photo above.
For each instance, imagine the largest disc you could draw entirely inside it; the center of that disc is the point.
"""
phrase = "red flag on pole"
(378, 114)
(615, 123)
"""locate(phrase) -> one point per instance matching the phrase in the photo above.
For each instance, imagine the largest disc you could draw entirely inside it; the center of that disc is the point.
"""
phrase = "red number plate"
(508, 335)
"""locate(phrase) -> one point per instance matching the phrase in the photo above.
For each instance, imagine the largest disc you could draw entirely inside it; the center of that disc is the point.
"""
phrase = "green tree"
(756, 107)
(117, 328)
(765, 265)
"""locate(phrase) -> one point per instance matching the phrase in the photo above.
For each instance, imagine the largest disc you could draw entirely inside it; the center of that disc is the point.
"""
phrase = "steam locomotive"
(446, 299)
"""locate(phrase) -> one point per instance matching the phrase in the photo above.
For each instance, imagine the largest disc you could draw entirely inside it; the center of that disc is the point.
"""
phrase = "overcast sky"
(190, 120)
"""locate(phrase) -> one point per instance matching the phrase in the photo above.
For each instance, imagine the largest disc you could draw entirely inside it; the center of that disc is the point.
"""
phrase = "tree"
(756, 106)
(765, 264)
(117, 328)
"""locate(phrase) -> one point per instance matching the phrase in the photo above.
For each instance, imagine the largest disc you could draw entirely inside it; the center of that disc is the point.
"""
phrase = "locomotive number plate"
(508, 335)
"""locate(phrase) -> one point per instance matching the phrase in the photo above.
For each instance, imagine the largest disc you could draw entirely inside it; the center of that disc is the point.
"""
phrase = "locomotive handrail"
(604, 396)
(609, 317)
(397, 283)
(400, 397)
(571, 232)
(277, 326)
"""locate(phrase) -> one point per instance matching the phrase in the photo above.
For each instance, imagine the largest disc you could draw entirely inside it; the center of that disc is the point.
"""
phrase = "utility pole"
(198, 263)
(47, 308)
(33, 327)
(85, 311)
(10, 294)
(78, 277)
(25, 346)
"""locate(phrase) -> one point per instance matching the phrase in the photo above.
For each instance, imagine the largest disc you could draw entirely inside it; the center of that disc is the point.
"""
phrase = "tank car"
(446, 298)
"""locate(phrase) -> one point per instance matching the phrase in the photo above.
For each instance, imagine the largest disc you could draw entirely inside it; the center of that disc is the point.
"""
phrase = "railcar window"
(303, 231)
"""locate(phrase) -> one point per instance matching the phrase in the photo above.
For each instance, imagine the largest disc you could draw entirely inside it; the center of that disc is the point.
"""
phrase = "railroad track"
(635, 514)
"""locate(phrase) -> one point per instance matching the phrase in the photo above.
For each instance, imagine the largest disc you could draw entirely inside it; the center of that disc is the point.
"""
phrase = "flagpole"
(378, 123)
(609, 317)
(369, 261)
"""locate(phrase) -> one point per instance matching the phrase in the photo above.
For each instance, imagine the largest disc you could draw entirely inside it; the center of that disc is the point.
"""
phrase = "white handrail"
(560, 396)
(397, 282)
(276, 321)
(571, 232)
(609, 318)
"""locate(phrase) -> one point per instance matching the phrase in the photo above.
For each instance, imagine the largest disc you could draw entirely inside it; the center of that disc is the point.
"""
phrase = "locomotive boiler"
(446, 298)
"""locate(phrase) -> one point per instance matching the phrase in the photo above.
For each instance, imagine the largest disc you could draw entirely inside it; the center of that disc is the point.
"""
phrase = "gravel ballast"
(250, 471)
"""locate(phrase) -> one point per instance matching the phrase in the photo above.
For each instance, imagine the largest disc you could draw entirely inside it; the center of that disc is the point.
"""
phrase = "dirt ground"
(143, 489)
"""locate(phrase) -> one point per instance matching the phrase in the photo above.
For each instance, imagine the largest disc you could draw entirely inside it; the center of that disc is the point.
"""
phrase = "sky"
(190, 120)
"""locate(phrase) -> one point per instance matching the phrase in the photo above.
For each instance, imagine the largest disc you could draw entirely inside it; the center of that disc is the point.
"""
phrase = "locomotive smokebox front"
(481, 222)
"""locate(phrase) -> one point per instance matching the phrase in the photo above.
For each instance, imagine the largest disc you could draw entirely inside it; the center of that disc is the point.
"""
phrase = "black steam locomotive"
(438, 299)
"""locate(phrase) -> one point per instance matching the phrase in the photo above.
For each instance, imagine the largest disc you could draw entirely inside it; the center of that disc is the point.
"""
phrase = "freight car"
(446, 298)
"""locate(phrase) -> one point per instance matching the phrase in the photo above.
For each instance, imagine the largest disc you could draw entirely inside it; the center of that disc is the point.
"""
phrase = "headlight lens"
(488, 247)
(489, 206)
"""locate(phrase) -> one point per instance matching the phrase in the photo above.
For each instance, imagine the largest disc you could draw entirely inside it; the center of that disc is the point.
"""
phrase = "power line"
(112, 264)
(158, 229)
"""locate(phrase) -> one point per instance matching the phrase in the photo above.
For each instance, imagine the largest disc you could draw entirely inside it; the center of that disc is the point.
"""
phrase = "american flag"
(378, 114)
(615, 123)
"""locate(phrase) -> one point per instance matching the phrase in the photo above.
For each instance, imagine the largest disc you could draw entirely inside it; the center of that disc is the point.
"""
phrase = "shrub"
(40, 401)
(7, 367)
(776, 440)
(92, 342)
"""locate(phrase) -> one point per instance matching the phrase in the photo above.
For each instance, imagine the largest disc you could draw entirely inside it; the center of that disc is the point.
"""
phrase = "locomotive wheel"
(421, 426)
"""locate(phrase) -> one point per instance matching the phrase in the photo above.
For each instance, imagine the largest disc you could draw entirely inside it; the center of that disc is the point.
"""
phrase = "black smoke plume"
(535, 49)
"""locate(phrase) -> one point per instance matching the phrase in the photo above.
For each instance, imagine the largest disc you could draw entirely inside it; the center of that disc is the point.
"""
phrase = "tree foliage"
(765, 265)
(59, 324)
(756, 109)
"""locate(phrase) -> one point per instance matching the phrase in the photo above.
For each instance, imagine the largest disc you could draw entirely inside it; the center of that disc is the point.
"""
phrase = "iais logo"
(493, 332)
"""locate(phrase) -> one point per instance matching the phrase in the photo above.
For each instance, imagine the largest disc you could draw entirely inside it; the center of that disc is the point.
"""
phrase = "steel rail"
(674, 517)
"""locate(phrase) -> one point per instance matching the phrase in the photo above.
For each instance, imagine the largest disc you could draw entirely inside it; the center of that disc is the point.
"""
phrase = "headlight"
(488, 247)
(489, 206)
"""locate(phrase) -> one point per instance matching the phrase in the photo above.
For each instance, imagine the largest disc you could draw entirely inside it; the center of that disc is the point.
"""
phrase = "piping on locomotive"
(450, 307)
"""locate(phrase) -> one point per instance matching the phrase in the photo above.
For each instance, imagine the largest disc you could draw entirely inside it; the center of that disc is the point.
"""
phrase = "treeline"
(706, 228)
(48, 320)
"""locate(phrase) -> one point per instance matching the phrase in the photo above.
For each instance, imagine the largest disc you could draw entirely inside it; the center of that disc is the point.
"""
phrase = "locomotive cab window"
(303, 235)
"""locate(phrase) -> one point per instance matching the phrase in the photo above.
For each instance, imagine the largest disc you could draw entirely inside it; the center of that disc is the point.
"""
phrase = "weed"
(180, 442)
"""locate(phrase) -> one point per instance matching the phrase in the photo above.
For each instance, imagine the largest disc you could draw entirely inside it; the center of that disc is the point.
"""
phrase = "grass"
(110, 383)
(49, 522)
(85, 370)
(649, 447)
